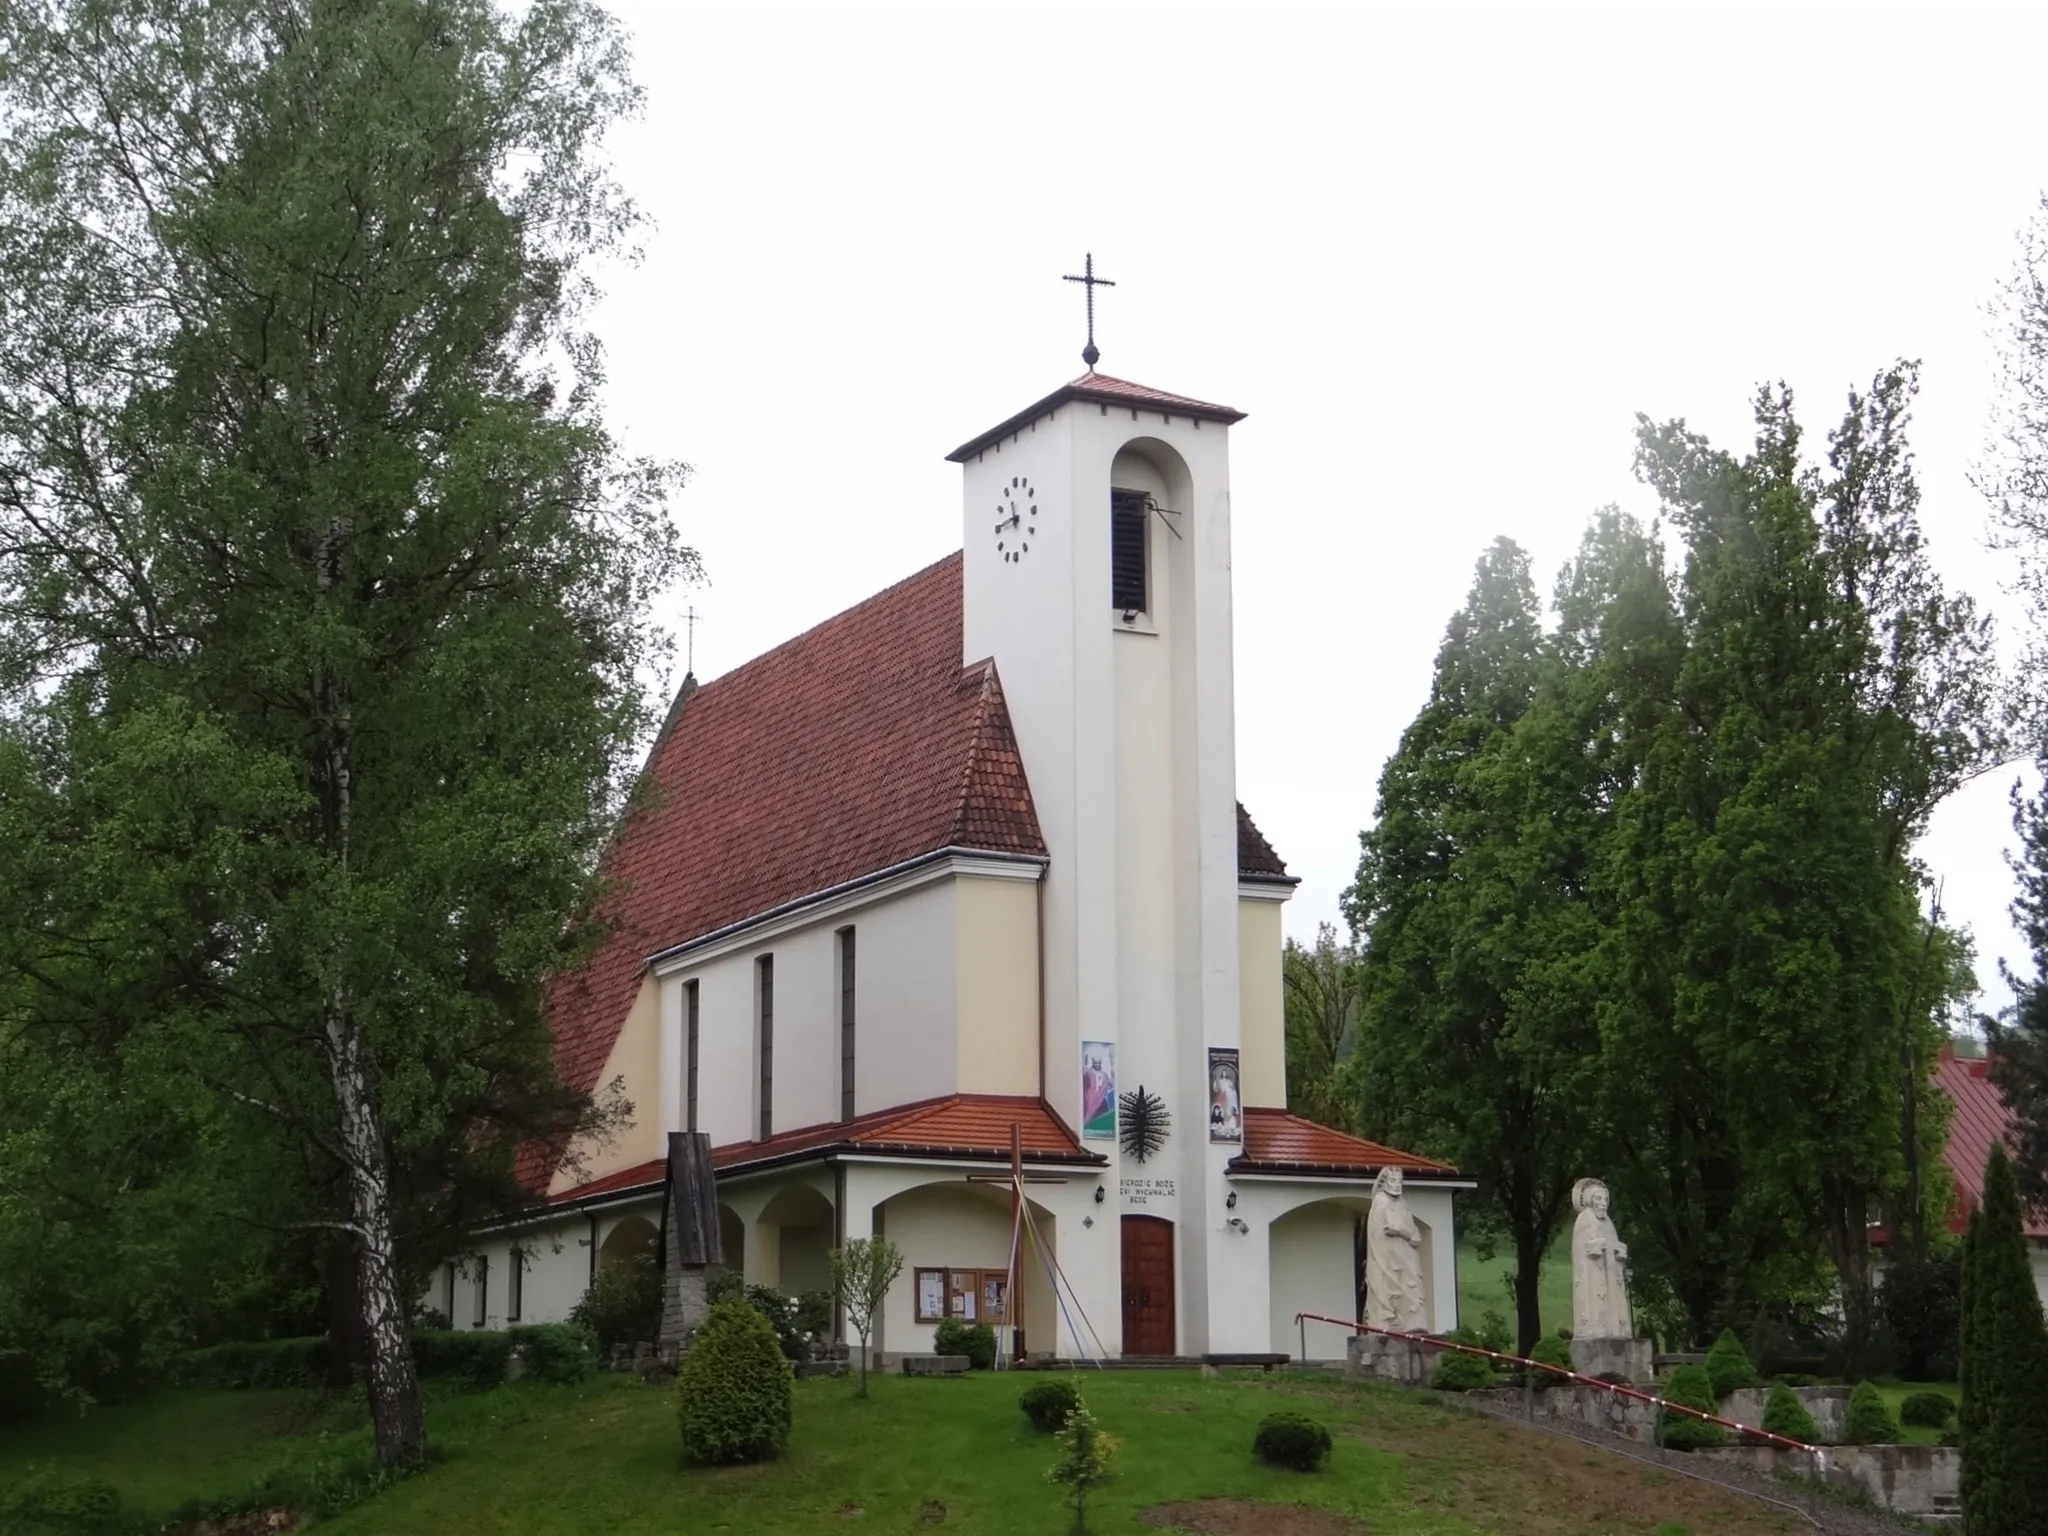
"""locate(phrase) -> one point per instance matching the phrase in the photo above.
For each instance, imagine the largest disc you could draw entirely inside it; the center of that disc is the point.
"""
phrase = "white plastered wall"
(1304, 1267)
(1262, 1002)
(937, 1218)
(635, 1063)
(906, 1015)
(998, 984)
(557, 1267)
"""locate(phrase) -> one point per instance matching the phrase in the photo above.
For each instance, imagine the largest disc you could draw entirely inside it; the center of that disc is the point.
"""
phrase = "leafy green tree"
(1475, 901)
(1322, 997)
(322, 585)
(862, 1272)
(2005, 1409)
(1774, 994)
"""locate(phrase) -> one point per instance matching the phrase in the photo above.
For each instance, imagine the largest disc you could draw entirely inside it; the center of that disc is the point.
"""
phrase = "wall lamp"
(1230, 1201)
(1098, 1194)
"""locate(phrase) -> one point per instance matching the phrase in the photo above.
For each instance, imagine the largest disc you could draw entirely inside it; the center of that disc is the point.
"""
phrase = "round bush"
(1047, 1405)
(733, 1391)
(1927, 1410)
(1292, 1440)
(1461, 1373)
(1728, 1366)
(1870, 1421)
(1690, 1387)
(1785, 1414)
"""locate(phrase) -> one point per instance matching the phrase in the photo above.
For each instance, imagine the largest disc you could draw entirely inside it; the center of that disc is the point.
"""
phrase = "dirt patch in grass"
(1243, 1517)
(1500, 1477)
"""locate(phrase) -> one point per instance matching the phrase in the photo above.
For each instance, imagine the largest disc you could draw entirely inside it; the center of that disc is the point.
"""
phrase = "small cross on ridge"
(1091, 282)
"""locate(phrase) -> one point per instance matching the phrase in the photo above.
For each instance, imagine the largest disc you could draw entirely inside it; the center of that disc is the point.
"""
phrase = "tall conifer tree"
(2005, 1401)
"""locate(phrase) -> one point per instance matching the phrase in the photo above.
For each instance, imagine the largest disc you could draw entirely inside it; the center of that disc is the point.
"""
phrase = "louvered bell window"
(1127, 551)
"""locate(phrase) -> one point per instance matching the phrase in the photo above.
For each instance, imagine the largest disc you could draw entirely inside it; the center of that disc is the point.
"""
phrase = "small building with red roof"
(957, 875)
(1981, 1120)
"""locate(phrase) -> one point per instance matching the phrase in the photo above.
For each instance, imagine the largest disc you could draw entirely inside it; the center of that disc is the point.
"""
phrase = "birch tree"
(323, 587)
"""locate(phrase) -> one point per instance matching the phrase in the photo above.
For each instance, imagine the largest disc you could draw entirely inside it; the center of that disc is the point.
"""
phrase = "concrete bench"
(934, 1365)
(1264, 1362)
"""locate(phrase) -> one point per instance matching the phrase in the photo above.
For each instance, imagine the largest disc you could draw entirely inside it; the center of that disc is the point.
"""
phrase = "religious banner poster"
(1226, 1109)
(1098, 1090)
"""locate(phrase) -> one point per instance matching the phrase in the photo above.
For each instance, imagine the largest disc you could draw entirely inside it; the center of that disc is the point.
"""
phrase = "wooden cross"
(1091, 282)
(1016, 1178)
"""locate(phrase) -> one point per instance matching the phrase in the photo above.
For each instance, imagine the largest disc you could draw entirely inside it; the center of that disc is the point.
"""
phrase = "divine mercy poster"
(1098, 1090)
(1226, 1111)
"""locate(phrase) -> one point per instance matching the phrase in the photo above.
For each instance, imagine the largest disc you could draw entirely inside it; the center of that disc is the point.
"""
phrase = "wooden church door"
(1148, 1285)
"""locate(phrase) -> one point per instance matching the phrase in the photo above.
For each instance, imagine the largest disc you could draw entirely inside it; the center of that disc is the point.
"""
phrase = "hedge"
(1870, 1420)
(1690, 1387)
(1728, 1366)
(561, 1352)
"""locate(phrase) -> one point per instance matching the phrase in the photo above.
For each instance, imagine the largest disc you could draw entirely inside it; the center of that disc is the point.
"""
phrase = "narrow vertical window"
(448, 1292)
(515, 1285)
(690, 1056)
(483, 1290)
(766, 966)
(1127, 586)
(846, 1023)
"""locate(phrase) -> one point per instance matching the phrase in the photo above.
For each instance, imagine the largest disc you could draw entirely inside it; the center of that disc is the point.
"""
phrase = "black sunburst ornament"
(1142, 1122)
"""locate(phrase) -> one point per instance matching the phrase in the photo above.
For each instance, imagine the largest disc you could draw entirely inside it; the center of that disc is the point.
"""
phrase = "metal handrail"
(1430, 1341)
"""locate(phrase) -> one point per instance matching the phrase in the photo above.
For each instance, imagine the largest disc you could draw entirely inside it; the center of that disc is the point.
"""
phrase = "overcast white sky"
(1441, 258)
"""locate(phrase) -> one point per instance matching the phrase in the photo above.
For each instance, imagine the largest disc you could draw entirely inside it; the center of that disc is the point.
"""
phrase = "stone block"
(1923, 1481)
(1630, 1359)
(1828, 1405)
(1397, 1360)
(934, 1365)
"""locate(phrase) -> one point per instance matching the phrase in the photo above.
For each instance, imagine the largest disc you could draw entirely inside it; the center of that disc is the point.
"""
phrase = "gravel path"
(1820, 1512)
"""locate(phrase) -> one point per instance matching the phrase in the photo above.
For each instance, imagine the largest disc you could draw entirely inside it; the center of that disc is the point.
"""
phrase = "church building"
(963, 868)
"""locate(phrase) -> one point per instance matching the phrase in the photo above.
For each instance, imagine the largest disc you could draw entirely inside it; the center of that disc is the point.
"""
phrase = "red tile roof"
(961, 1125)
(860, 745)
(1981, 1118)
(1099, 388)
(1256, 859)
(1277, 1142)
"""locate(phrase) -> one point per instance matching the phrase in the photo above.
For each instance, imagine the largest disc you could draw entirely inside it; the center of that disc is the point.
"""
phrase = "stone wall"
(1828, 1405)
(1920, 1480)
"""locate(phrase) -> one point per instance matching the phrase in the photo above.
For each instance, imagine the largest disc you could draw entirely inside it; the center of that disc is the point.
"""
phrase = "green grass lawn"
(1482, 1285)
(920, 1454)
(1896, 1392)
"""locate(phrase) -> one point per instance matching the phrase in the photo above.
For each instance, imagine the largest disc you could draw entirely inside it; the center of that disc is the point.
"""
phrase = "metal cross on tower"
(1091, 282)
(690, 620)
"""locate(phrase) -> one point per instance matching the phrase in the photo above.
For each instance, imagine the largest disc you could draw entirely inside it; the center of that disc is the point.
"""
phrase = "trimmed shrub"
(1870, 1420)
(977, 1341)
(1494, 1333)
(1551, 1349)
(60, 1506)
(1461, 1373)
(1690, 1387)
(733, 1392)
(1920, 1304)
(1048, 1404)
(1292, 1440)
(1728, 1366)
(262, 1363)
(476, 1358)
(623, 1304)
(1927, 1410)
(1785, 1414)
(563, 1353)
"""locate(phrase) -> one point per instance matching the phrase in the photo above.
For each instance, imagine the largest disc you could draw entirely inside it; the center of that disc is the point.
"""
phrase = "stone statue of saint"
(1394, 1293)
(1599, 1268)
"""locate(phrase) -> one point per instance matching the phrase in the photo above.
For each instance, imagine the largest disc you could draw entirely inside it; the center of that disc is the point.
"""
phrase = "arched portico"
(629, 1236)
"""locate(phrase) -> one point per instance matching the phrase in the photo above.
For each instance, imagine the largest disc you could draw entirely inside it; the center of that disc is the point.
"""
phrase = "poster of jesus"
(1226, 1112)
(1098, 1090)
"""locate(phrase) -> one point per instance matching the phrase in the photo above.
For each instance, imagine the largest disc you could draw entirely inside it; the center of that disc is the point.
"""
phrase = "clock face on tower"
(1016, 519)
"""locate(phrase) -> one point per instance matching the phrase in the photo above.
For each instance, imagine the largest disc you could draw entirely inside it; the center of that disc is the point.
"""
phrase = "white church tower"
(1097, 575)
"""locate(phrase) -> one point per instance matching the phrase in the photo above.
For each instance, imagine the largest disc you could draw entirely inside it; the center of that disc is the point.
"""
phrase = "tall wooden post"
(1015, 1300)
